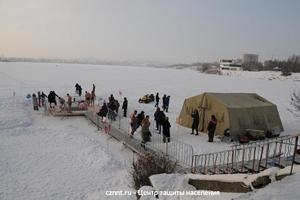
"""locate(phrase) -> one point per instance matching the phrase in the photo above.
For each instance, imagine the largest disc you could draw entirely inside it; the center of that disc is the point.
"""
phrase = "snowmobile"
(147, 98)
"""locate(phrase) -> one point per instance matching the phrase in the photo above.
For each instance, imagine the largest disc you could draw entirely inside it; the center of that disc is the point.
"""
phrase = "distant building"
(230, 65)
(250, 58)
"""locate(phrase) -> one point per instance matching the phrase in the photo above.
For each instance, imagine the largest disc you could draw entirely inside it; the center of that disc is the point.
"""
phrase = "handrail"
(175, 149)
(250, 158)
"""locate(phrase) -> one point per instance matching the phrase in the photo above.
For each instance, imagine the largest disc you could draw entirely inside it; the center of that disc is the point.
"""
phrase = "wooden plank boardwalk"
(91, 114)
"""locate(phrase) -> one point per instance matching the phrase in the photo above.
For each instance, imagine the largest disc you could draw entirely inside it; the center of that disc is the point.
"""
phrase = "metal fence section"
(177, 150)
(119, 134)
(255, 157)
(119, 129)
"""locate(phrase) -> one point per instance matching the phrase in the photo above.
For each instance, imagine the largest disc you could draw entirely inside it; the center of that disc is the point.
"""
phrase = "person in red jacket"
(211, 128)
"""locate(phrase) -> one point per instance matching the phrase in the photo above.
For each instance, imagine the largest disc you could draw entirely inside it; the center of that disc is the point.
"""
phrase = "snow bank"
(287, 188)
(179, 182)
(264, 75)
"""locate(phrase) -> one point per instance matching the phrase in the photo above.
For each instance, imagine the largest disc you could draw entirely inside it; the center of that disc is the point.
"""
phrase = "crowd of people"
(38, 100)
(111, 110)
(140, 120)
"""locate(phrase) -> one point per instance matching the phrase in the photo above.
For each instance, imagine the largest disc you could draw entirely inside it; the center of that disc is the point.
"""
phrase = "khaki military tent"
(234, 111)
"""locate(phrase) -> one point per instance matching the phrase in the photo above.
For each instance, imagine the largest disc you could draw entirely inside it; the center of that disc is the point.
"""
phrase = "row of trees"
(292, 64)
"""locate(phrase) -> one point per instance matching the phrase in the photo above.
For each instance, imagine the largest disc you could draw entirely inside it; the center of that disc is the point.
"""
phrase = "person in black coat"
(195, 116)
(112, 108)
(211, 128)
(124, 106)
(160, 119)
(157, 99)
(166, 129)
(167, 103)
(139, 119)
(103, 111)
(156, 116)
(52, 99)
(78, 89)
(164, 102)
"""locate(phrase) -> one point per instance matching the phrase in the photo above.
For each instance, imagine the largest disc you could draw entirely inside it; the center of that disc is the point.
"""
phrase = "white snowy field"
(43, 157)
(134, 82)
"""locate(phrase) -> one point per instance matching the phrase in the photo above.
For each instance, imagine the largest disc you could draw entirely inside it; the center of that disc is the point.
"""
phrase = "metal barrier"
(108, 128)
(253, 158)
(260, 142)
(176, 150)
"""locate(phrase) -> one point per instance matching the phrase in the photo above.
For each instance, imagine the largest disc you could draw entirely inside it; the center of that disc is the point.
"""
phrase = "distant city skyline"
(170, 31)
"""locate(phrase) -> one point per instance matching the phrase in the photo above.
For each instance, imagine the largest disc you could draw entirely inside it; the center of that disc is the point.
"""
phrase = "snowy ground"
(43, 157)
(264, 75)
(277, 190)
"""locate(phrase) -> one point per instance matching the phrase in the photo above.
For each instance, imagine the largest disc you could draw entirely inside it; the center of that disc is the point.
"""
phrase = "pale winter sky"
(149, 30)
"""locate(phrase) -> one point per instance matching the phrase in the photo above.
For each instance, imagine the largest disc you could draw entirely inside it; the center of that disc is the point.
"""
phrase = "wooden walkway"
(91, 114)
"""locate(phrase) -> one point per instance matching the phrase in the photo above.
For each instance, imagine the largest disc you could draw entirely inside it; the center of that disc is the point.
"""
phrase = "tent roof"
(240, 100)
